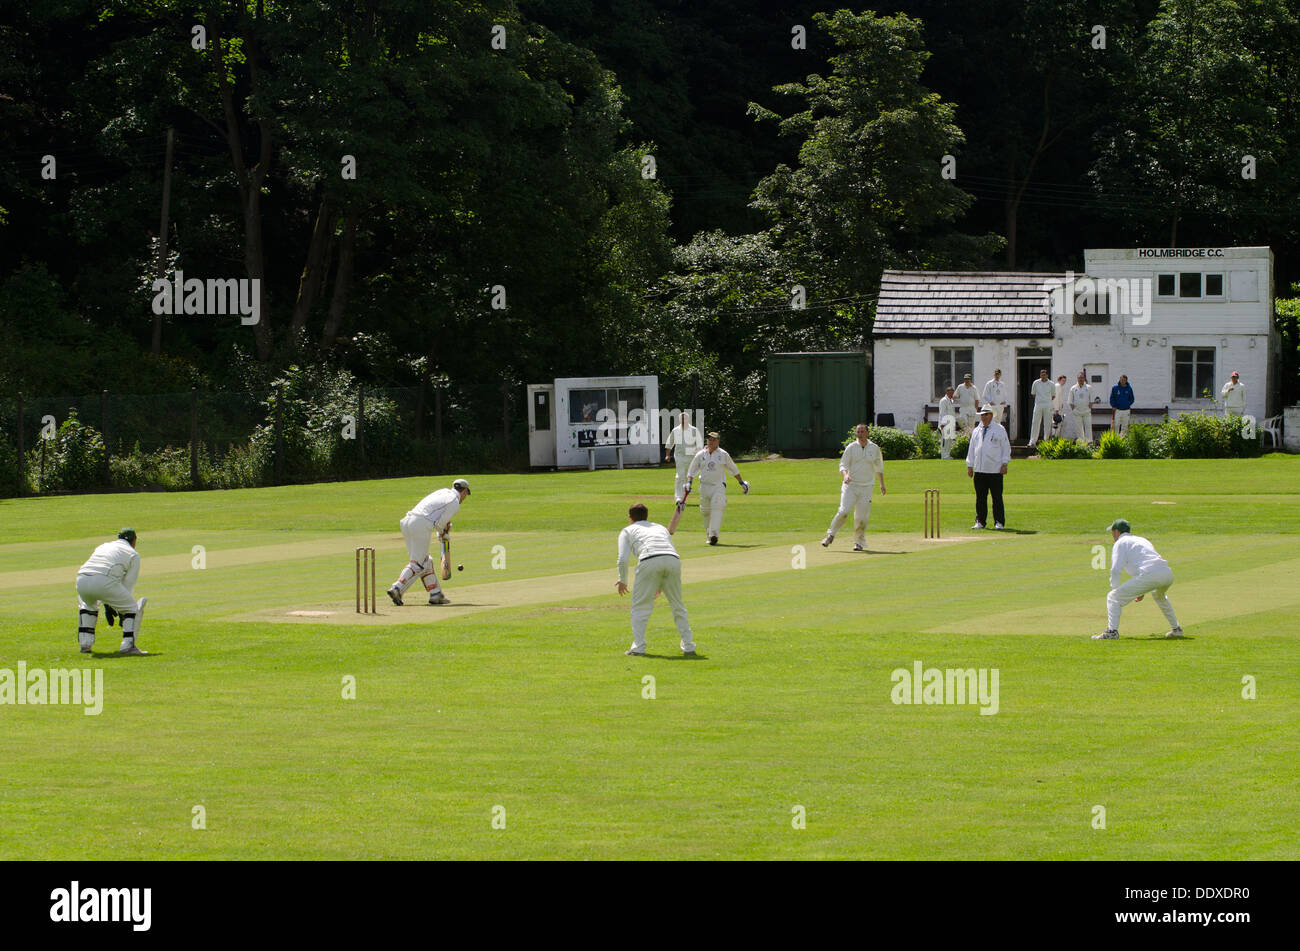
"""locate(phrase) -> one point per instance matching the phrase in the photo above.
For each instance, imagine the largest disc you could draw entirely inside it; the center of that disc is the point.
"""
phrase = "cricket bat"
(446, 558)
(677, 516)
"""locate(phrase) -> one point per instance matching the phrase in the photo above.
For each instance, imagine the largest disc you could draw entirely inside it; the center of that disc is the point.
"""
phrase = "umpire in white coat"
(986, 463)
(658, 568)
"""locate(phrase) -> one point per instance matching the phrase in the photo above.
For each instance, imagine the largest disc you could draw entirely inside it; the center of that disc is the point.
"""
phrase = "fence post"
(279, 435)
(194, 437)
(22, 454)
(419, 407)
(505, 418)
(361, 424)
(437, 424)
(103, 428)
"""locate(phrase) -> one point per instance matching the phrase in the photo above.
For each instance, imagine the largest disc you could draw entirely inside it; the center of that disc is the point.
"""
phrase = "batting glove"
(744, 486)
(109, 615)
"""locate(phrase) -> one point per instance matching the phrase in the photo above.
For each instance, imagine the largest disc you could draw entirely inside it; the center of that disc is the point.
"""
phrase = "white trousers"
(1083, 424)
(679, 484)
(653, 575)
(1121, 421)
(1156, 581)
(417, 532)
(713, 502)
(1042, 417)
(855, 498)
(94, 588)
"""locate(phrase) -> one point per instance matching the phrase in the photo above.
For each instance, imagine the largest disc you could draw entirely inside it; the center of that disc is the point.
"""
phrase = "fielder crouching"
(109, 575)
(658, 568)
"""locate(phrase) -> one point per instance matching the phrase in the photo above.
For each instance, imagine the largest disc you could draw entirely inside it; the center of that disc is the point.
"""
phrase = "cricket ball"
(460, 567)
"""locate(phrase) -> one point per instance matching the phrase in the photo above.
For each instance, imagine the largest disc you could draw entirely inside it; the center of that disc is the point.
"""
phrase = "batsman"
(712, 464)
(433, 514)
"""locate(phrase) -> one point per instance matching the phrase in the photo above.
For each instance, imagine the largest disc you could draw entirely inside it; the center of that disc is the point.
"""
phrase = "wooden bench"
(1138, 414)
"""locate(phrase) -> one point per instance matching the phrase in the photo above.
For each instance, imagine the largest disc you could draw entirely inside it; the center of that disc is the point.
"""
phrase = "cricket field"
(272, 721)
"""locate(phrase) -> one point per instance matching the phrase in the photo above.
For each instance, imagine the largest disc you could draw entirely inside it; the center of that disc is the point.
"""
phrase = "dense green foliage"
(420, 203)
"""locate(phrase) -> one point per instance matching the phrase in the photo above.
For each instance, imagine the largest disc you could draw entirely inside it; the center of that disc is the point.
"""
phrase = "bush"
(960, 446)
(1141, 439)
(927, 442)
(74, 458)
(1059, 448)
(1113, 446)
(1197, 436)
(893, 443)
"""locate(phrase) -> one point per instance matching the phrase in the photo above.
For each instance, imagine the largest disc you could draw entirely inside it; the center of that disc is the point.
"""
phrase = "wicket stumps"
(366, 581)
(931, 514)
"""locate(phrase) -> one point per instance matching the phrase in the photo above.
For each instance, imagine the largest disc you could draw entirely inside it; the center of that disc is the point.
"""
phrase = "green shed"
(813, 399)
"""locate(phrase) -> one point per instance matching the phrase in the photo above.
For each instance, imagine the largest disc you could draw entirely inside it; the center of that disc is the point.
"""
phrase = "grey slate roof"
(964, 304)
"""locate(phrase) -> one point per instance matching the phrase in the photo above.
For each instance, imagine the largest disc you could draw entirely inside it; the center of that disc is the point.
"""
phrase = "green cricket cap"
(1120, 525)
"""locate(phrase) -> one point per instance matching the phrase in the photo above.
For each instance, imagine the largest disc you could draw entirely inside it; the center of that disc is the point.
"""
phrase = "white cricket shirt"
(438, 507)
(995, 392)
(712, 467)
(644, 540)
(117, 559)
(862, 462)
(1043, 391)
(1134, 554)
(686, 443)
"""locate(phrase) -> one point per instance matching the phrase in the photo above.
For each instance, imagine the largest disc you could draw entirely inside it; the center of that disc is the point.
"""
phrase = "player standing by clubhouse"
(986, 463)
(433, 513)
(947, 423)
(861, 461)
(1147, 572)
(1060, 412)
(1233, 395)
(1079, 401)
(995, 392)
(711, 464)
(1121, 403)
(109, 575)
(967, 404)
(658, 568)
(683, 442)
(1042, 391)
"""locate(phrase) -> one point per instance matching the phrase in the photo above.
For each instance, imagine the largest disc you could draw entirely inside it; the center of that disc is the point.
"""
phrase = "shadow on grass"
(696, 656)
(116, 655)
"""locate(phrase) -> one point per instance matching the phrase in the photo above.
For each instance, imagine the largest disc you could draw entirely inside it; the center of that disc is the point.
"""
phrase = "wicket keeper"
(109, 575)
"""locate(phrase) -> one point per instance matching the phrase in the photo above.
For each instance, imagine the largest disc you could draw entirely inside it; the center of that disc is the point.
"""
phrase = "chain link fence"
(293, 432)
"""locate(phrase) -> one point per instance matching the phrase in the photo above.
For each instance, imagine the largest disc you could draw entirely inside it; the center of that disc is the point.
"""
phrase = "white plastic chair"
(1272, 427)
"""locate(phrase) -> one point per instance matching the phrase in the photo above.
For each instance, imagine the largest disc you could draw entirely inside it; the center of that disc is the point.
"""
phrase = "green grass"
(532, 706)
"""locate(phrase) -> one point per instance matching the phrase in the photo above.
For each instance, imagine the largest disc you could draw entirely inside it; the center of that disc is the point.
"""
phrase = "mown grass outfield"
(520, 696)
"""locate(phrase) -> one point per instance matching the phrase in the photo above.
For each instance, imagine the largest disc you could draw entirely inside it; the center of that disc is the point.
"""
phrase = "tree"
(868, 193)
